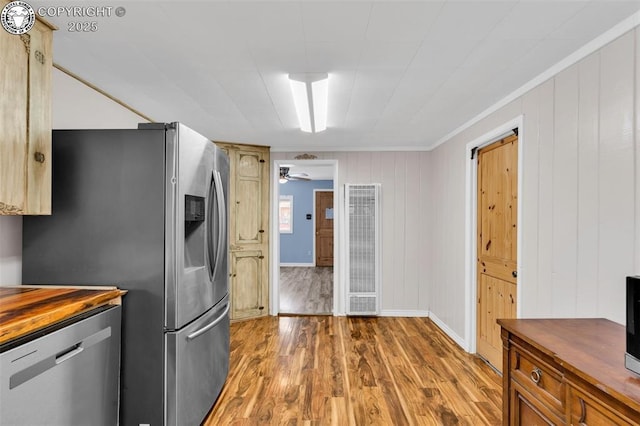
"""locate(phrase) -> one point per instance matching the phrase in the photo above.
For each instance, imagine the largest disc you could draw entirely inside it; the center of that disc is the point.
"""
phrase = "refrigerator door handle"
(210, 325)
(222, 220)
(210, 232)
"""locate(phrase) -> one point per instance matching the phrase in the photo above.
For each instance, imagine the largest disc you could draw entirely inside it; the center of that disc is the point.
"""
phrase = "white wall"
(10, 250)
(581, 193)
(74, 106)
(77, 106)
(405, 200)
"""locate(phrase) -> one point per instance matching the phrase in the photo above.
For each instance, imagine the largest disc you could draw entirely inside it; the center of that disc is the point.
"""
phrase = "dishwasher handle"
(35, 369)
(69, 353)
(210, 325)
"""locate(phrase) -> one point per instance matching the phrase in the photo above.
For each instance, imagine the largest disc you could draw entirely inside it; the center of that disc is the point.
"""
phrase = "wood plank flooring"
(325, 370)
(306, 290)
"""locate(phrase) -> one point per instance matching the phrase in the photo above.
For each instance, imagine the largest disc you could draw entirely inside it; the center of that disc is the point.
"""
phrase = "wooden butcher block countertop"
(25, 309)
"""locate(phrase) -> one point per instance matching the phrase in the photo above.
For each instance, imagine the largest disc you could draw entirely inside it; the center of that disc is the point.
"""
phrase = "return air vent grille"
(363, 248)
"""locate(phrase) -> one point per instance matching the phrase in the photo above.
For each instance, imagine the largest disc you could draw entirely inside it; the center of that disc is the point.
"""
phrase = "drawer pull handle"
(583, 412)
(536, 375)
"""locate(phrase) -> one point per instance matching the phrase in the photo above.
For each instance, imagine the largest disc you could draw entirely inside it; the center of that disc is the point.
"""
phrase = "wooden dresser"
(567, 371)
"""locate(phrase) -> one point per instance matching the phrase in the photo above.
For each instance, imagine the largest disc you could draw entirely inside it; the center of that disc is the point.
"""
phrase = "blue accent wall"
(298, 246)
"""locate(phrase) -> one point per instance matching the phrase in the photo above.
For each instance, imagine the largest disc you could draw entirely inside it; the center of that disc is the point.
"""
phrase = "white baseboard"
(406, 314)
(449, 332)
(298, 264)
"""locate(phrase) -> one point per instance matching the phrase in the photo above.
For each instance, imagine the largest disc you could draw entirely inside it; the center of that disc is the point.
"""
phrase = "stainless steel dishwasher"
(67, 375)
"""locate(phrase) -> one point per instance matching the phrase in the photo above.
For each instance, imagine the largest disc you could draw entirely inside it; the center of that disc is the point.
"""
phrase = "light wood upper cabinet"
(248, 229)
(25, 120)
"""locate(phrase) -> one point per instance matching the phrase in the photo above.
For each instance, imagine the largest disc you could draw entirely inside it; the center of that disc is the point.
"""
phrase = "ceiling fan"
(285, 176)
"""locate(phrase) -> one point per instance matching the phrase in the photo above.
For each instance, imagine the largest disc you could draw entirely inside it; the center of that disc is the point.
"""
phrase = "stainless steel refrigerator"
(144, 209)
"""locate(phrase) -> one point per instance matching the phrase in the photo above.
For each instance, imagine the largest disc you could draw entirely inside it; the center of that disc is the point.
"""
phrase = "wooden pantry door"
(497, 243)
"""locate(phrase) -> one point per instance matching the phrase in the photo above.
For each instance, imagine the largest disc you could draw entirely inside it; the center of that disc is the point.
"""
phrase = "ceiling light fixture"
(310, 95)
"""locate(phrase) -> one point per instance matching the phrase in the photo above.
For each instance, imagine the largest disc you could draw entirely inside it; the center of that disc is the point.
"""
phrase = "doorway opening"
(304, 267)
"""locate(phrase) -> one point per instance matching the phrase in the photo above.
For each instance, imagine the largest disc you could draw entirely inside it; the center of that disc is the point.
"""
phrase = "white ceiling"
(402, 74)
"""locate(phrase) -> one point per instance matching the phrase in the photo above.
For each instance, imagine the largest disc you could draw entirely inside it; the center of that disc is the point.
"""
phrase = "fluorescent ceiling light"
(310, 95)
(299, 90)
(320, 92)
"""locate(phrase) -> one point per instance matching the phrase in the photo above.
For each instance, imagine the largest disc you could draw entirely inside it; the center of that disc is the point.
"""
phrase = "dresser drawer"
(586, 410)
(527, 410)
(538, 377)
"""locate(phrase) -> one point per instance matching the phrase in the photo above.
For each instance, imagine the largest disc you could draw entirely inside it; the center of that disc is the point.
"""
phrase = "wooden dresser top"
(25, 309)
(592, 349)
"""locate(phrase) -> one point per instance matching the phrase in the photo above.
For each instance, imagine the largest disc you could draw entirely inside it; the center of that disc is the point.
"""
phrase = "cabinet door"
(39, 151)
(25, 120)
(248, 284)
(249, 198)
(526, 410)
(14, 69)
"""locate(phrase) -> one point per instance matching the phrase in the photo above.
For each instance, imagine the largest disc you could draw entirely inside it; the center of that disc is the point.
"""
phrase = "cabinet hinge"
(262, 160)
(260, 257)
(261, 231)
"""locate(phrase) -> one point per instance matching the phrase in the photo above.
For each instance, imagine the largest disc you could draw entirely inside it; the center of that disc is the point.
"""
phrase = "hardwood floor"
(325, 370)
(306, 290)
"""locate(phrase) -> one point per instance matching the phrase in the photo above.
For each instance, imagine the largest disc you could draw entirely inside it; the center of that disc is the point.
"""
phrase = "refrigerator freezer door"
(197, 366)
(68, 377)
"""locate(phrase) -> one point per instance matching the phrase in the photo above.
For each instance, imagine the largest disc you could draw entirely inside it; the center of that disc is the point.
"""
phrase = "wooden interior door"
(497, 243)
(324, 228)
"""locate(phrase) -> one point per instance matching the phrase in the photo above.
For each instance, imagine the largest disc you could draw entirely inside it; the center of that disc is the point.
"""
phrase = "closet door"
(497, 243)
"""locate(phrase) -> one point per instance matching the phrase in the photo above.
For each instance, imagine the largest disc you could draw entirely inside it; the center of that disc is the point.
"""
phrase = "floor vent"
(363, 248)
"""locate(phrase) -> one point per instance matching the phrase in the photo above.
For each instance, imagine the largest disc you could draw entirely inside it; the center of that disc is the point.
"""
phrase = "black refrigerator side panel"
(107, 228)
